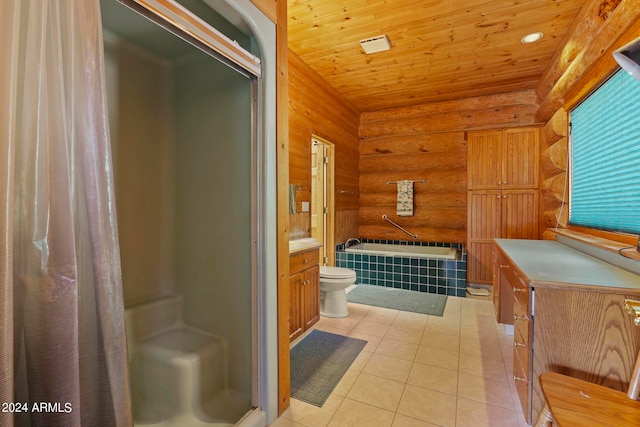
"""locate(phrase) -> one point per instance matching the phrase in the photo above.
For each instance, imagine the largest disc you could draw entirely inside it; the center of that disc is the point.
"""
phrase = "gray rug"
(318, 363)
(398, 299)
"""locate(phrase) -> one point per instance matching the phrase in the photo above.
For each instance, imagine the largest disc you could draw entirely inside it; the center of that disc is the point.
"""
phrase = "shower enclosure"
(192, 173)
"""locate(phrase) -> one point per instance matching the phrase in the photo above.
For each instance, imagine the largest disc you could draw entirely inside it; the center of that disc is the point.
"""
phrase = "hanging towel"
(405, 198)
(292, 199)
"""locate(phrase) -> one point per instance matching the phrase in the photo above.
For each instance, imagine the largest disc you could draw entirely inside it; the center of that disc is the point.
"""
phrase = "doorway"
(322, 197)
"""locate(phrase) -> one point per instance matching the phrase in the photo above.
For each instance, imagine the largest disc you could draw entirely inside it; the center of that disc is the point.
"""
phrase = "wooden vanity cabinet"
(304, 291)
(578, 331)
(502, 294)
(512, 303)
(522, 338)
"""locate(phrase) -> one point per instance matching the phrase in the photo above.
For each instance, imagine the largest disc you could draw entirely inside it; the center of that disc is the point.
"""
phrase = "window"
(605, 157)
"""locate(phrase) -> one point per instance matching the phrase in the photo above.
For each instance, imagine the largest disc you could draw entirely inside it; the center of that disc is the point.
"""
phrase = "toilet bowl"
(333, 282)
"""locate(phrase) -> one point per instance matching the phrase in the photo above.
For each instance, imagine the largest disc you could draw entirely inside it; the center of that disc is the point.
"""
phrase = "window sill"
(600, 242)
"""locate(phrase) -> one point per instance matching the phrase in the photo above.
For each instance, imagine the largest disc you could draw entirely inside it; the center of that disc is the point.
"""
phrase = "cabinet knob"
(306, 261)
(516, 378)
(499, 182)
(505, 183)
(519, 344)
(518, 290)
(504, 265)
(516, 317)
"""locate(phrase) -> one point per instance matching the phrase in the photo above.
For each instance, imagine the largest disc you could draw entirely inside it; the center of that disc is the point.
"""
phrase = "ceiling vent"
(375, 44)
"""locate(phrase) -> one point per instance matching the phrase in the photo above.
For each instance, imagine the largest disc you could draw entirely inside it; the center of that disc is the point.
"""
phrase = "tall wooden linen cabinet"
(503, 170)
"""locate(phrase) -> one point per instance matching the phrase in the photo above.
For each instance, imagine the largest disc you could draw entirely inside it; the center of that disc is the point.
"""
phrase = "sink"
(297, 244)
(306, 240)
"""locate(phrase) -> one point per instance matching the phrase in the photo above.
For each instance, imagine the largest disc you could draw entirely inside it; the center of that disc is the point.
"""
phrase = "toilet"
(333, 282)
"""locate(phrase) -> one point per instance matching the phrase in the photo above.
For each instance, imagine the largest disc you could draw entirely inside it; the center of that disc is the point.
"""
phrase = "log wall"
(597, 28)
(567, 81)
(316, 108)
(553, 164)
(428, 142)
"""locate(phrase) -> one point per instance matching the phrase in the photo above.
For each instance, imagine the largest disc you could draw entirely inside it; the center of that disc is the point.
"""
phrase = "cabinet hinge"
(325, 160)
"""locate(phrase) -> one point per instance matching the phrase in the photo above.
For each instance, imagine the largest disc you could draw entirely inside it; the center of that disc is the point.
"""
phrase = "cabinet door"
(296, 327)
(520, 158)
(483, 225)
(484, 169)
(311, 297)
(480, 263)
(519, 214)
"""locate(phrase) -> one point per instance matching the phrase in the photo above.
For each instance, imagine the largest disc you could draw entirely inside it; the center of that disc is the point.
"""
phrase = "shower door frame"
(261, 73)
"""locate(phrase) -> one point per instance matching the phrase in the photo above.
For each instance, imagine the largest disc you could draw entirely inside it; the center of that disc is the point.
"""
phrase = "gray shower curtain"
(63, 359)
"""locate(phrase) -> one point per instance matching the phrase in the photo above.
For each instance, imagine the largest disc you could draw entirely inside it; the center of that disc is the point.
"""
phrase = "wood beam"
(269, 8)
(282, 153)
(599, 26)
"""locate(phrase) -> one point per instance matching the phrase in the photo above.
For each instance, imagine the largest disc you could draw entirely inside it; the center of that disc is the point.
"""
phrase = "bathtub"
(432, 267)
(388, 249)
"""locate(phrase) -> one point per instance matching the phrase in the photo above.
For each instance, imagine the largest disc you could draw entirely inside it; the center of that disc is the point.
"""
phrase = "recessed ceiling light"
(531, 38)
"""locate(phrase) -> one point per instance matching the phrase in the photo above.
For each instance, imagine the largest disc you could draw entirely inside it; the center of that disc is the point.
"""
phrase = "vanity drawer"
(519, 288)
(522, 350)
(302, 261)
(522, 382)
(522, 322)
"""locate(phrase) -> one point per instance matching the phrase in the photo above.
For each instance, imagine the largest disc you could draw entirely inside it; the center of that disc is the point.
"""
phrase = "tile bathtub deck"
(419, 370)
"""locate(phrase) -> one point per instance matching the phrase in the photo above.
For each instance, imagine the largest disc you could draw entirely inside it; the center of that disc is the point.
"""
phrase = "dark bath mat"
(318, 363)
(398, 299)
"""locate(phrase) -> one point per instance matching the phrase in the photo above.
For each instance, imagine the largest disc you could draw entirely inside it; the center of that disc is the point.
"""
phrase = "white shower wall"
(140, 94)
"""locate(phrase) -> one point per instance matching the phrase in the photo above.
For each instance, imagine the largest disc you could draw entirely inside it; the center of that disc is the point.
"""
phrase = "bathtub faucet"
(350, 240)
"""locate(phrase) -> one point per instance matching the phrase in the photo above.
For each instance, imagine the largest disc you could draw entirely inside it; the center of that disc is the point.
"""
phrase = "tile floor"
(419, 371)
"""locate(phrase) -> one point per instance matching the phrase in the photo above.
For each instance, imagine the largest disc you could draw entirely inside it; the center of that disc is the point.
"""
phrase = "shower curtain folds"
(62, 334)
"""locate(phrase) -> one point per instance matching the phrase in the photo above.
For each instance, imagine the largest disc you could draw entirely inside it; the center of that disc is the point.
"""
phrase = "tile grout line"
(462, 334)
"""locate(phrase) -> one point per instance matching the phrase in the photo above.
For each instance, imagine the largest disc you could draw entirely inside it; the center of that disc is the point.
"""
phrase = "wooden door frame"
(330, 202)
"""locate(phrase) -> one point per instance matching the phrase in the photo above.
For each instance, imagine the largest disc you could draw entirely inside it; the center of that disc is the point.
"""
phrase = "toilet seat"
(328, 272)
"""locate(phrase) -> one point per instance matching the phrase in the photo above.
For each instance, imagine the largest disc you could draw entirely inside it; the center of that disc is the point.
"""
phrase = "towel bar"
(422, 181)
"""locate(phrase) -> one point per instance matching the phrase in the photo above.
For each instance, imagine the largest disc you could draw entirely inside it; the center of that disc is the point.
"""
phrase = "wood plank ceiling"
(440, 49)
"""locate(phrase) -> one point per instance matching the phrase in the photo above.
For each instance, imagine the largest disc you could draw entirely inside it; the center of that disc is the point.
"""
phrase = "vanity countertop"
(303, 245)
(553, 264)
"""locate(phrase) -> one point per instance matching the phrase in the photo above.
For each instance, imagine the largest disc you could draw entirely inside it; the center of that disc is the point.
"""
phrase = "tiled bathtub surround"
(436, 276)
